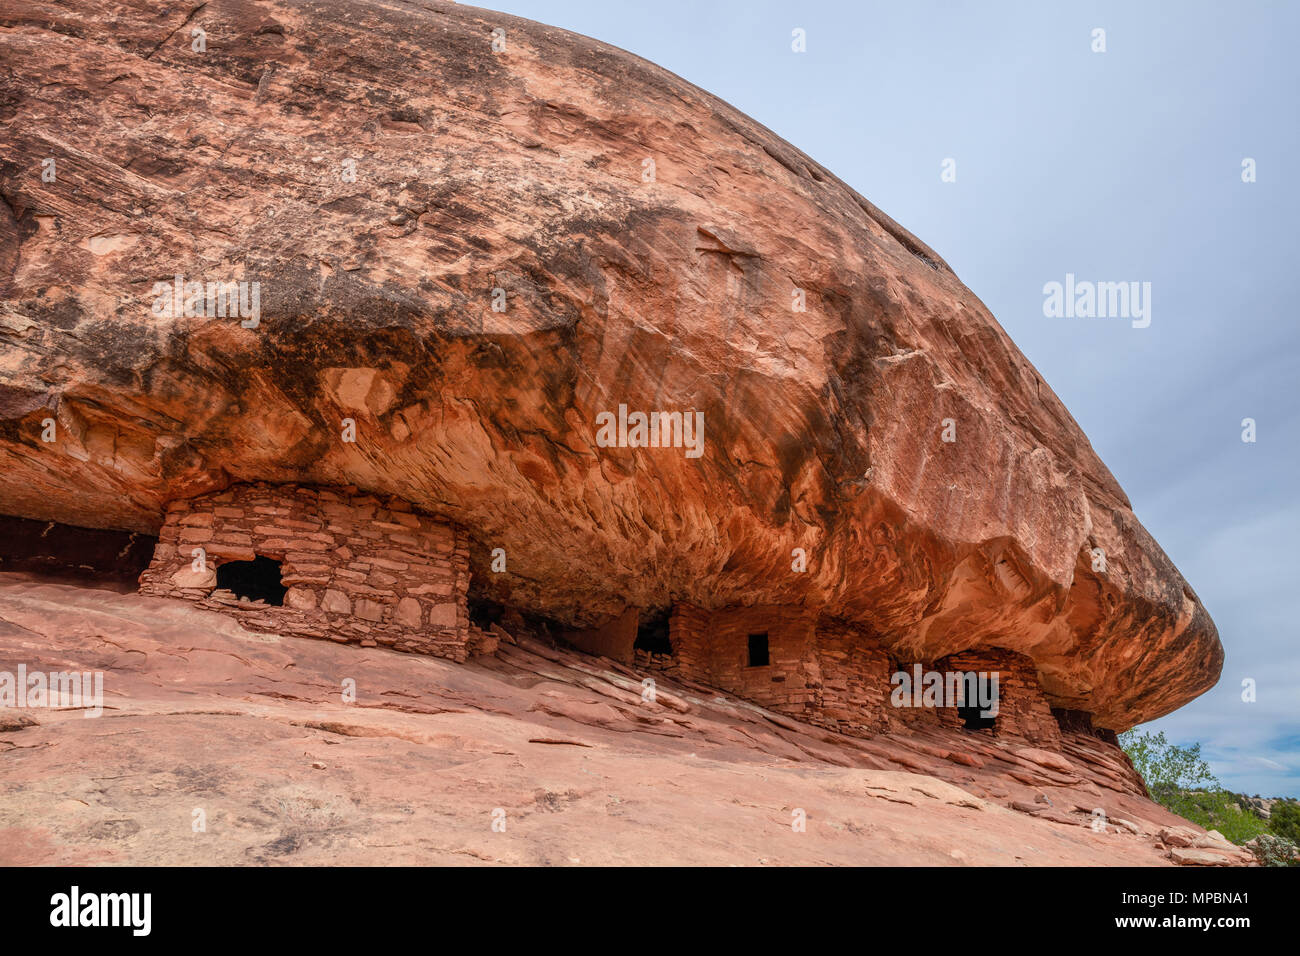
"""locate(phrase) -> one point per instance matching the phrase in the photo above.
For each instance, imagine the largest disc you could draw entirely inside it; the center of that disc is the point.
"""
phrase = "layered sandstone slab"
(380, 170)
(585, 767)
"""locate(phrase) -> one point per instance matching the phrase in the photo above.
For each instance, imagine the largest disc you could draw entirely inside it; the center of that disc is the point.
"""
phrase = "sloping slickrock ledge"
(523, 170)
(586, 770)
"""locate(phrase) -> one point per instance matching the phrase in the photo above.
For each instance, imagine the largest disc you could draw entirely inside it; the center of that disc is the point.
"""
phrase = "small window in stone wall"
(257, 580)
(758, 656)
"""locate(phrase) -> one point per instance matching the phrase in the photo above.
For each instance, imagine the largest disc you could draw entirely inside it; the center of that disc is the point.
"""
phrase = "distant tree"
(1167, 769)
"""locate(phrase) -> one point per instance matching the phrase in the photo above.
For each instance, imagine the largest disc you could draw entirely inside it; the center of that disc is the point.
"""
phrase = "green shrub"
(1273, 850)
(1218, 809)
(1180, 780)
(1284, 820)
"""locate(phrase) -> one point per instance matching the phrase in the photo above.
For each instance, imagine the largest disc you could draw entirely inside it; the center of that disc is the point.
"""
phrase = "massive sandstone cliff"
(525, 170)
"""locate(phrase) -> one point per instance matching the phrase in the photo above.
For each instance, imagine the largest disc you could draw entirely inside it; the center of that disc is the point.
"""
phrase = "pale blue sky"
(1123, 165)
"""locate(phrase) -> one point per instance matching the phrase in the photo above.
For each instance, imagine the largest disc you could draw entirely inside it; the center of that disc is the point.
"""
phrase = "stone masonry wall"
(1023, 710)
(358, 568)
(712, 648)
(838, 677)
(824, 675)
(855, 667)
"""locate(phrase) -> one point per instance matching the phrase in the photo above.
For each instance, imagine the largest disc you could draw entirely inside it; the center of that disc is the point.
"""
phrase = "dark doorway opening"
(758, 655)
(970, 711)
(652, 633)
(483, 613)
(257, 580)
(91, 556)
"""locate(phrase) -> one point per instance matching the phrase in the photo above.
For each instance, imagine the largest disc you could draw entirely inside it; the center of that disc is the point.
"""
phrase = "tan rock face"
(386, 178)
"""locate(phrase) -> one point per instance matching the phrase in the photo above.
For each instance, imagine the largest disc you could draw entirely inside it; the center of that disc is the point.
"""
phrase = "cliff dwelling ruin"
(319, 562)
(207, 450)
(338, 564)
